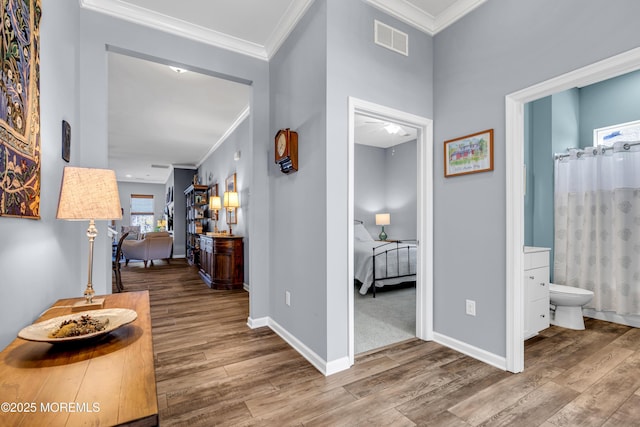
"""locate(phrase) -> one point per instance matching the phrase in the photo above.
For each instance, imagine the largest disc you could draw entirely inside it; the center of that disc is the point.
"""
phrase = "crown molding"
(241, 117)
(423, 21)
(285, 26)
(455, 12)
(159, 21)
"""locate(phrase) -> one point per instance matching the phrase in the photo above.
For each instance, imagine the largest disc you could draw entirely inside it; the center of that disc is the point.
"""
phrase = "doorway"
(424, 212)
(514, 150)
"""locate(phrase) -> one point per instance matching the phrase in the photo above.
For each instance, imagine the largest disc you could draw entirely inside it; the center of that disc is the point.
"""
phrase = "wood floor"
(211, 369)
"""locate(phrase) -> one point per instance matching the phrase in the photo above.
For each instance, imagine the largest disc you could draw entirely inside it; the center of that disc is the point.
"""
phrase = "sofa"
(154, 245)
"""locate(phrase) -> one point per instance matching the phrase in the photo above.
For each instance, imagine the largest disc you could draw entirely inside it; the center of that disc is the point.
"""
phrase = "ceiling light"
(392, 128)
(178, 69)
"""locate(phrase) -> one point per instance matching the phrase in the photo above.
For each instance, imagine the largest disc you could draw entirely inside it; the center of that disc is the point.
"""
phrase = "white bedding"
(363, 263)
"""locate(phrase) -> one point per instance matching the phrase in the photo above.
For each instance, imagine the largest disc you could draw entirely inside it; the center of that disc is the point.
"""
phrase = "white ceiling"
(159, 117)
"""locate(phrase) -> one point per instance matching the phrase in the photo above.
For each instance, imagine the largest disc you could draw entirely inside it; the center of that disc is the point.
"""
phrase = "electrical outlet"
(471, 307)
(287, 297)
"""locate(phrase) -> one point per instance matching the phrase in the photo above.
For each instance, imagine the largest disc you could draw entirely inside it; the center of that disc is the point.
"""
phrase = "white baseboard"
(326, 368)
(246, 287)
(257, 323)
(499, 362)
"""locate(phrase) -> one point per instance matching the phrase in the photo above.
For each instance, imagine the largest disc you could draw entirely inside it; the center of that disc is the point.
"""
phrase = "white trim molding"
(471, 351)
(169, 24)
(326, 368)
(514, 156)
(241, 117)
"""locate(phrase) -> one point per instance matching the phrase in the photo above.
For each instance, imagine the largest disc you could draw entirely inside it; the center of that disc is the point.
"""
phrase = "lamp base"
(83, 305)
(382, 235)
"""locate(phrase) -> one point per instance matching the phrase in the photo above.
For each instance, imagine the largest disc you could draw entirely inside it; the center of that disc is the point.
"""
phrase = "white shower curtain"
(597, 225)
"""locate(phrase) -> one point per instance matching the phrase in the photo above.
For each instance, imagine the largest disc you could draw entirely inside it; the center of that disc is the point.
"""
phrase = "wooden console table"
(222, 261)
(104, 382)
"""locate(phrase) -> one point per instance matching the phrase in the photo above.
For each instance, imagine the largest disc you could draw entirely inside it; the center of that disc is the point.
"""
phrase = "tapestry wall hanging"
(20, 109)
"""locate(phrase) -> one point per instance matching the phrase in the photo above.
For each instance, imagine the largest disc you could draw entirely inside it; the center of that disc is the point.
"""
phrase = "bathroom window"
(609, 135)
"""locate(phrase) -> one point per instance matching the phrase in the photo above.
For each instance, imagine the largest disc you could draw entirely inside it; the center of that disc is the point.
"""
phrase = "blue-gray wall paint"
(369, 186)
(385, 181)
(44, 260)
(491, 52)
(220, 165)
(299, 200)
(608, 103)
(180, 179)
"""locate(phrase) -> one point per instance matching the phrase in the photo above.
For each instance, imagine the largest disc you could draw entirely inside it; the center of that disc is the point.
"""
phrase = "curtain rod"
(595, 150)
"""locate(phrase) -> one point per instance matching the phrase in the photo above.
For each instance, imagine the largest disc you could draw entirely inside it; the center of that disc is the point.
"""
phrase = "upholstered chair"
(154, 245)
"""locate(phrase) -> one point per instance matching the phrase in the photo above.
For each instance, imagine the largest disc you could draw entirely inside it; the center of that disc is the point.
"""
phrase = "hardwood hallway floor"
(211, 369)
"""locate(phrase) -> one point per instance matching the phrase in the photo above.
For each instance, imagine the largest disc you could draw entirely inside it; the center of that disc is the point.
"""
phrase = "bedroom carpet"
(388, 318)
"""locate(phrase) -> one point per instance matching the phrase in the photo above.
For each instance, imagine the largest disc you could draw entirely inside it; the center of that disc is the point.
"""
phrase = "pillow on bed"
(361, 233)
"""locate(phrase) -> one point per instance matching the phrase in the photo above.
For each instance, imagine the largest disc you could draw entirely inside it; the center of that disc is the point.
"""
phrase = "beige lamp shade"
(383, 219)
(88, 193)
(231, 199)
(214, 203)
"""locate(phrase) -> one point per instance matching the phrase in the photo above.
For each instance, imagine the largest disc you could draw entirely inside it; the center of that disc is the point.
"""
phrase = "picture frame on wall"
(230, 185)
(469, 154)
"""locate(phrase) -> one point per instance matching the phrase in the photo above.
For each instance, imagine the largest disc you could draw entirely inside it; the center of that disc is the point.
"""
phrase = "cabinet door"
(537, 283)
(539, 317)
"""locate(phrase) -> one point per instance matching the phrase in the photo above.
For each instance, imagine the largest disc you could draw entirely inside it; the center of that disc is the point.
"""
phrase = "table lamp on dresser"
(89, 194)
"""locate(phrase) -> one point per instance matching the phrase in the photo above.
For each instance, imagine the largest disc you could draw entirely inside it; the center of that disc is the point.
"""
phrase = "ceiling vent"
(160, 166)
(391, 38)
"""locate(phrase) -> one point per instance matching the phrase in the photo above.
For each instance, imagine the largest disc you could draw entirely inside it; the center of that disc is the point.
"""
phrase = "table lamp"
(89, 194)
(231, 202)
(383, 219)
(214, 207)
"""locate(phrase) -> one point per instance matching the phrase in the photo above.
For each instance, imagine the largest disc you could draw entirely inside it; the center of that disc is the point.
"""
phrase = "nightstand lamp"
(383, 219)
(89, 194)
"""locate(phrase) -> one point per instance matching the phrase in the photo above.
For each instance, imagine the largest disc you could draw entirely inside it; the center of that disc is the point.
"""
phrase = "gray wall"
(385, 181)
(220, 165)
(369, 186)
(44, 260)
(494, 51)
(182, 179)
(299, 200)
(608, 103)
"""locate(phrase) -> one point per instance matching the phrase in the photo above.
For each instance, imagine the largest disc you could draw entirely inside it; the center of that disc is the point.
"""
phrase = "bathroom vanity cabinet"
(536, 290)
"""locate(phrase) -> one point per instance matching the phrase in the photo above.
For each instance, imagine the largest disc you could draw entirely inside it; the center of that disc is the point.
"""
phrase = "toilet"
(568, 302)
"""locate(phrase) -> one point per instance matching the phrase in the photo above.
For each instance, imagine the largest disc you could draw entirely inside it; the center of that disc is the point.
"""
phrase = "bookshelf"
(196, 200)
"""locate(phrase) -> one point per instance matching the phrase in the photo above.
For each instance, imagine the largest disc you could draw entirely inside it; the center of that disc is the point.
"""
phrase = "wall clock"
(286, 150)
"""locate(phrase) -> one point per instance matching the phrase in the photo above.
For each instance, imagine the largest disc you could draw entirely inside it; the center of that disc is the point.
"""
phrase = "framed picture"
(66, 141)
(230, 183)
(469, 154)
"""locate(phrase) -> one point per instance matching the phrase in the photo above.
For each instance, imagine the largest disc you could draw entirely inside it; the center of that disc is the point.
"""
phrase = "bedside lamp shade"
(383, 219)
(89, 194)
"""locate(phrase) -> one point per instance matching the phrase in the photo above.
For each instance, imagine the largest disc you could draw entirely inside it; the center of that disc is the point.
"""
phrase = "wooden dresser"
(222, 261)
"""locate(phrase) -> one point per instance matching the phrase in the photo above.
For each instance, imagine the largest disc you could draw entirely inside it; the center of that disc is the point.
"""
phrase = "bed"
(382, 263)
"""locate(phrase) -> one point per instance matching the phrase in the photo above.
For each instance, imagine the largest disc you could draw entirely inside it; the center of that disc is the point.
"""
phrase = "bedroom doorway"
(410, 218)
